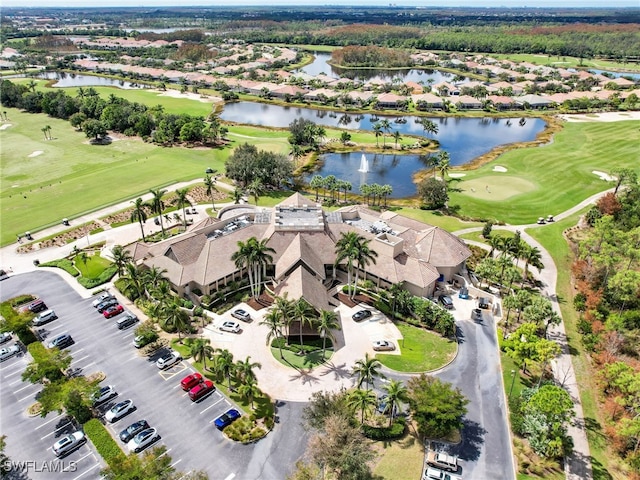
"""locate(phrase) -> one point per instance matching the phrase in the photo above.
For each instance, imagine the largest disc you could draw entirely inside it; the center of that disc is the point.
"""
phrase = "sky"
(403, 3)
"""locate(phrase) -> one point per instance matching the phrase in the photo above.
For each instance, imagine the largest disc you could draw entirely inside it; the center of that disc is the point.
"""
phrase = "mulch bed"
(344, 298)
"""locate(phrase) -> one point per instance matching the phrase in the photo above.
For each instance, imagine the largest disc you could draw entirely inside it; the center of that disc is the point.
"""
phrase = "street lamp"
(513, 380)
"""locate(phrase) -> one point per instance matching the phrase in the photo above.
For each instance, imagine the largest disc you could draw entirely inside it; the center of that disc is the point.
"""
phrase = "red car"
(190, 381)
(113, 311)
(201, 390)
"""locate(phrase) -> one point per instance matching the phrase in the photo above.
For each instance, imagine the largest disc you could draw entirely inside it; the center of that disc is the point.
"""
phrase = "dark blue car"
(227, 418)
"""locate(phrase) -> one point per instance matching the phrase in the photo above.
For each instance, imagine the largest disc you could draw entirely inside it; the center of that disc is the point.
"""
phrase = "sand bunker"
(5, 126)
(602, 117)
(604, 176)
(498, 168)
(35, 154)
(457, 175)
(190, 96)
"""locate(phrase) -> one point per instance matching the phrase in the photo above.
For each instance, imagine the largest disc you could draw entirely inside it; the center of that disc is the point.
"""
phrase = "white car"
(103, 296)
(383, 345)
(142, 440)
(4, 337)
(241, 314)
(168, 359)
(119, 410)
(435, 474)
(230, 326)
(8, 352)
(45, 317)
(69, 443)
(104, 394)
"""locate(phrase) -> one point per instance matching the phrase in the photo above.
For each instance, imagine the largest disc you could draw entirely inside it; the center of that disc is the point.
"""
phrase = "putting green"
(495, 187)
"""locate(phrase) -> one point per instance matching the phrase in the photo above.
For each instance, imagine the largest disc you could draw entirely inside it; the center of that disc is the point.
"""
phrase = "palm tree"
(244, 370)
(48, 131)
(361, 400)
(200, 350)
(302, 312)
(254, 255)
(120, 257)
(444, 163)
(210, 185)
(157, 205)
(44, 131)
(273, 321)
(377, 130)
(347, 249)
(286, 310)
(224, 361)
(249, 390)
(255, 189)
(428, 126)
(367, 370)
(396, 393)
(397, 137)
(153, 277)
(133, 281)
(139, 215)
(182, 203)
(175, 318)
(531, 256)
(328, 321)
(316, 183)
(365, 256)
(386, 127)
(237, 195)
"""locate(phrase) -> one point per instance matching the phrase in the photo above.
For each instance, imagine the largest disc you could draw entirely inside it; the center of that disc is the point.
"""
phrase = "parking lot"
(185, 427)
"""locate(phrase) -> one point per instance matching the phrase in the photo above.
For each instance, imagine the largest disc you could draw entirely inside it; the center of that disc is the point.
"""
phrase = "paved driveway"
(186, 427)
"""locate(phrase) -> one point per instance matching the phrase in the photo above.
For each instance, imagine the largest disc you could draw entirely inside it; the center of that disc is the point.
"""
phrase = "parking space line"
(87, 471)
(210, 406)
(165, 452)
(75, 352)
(176, 462)
(26, 386)
(10, 366)
(31, 396)
(54, 327)
(231, 476)
(88, 365)
(52, 420)
(59, 428)
(75, 360)
(14, 373)
(76, 461)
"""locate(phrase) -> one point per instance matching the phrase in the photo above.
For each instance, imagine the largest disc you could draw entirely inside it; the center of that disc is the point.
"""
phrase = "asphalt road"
(186, 428)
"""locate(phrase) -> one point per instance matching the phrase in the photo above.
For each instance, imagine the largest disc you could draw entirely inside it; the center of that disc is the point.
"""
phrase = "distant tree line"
(371, 56)
(95, 115)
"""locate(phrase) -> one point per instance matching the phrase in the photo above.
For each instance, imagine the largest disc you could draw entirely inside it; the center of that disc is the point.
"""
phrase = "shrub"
(244, 430)
(63, 263)
(21, 299)
(102, 440)
(396, 430)
(104, 277)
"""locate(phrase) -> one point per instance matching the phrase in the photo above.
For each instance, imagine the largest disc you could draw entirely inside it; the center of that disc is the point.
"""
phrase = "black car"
(126, 321)
(132, 430)
(61, 341)
(37, 306)
(109, 302)
(446, 302)
(361, 315)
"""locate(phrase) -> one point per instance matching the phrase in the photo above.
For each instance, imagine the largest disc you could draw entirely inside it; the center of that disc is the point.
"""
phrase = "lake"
(74, 80)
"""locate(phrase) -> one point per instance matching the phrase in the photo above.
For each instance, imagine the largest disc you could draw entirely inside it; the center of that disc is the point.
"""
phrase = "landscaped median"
(90, 268)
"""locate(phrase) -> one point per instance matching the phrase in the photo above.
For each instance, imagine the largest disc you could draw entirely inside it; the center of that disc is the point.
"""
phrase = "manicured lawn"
(496, 232)
(94, 267)
(566, 62)
(422, 351)
(306, 362)
(400, 459)
(548, 180)
(450, 224)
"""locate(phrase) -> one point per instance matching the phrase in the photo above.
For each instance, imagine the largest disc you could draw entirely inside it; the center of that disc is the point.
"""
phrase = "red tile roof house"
(304, 238)
(390, 100)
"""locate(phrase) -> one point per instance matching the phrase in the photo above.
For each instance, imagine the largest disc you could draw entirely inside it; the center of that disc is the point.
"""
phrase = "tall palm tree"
(139, 215)
(366, 370)
(255, 189)
(210, 185)
(201, 350)
(182, 202)
(154, 276)
(386, 127)
(396, 393)
(133, 281)
(365, 256)
(316, 183)
(531, 256)
(226, 364)
(249, 390)
(254, 255)
(175, 318)
(444, 163)
(361, 400)
(302, 312)
(244, 370)
(377, 131)
(428, 126)
(286, 309)
(48, 129)
(157, 205)
(273, 321)
(120, 257)
(328, 321)
(346, 249)
(397, 137)
(237, 195)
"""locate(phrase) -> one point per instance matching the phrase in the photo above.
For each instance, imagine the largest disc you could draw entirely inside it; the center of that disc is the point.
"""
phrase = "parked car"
(5, 337)
(463, 293)
(143, 340)
(190, 381)
(476, 314)
(435, 474)
(201, 389)
(119, 410)
(126, 321)
(442, 460)
(383, 345)
(133, 429)
(446, 301)
(68, 443)
(104, 394)
(361, 315)
(230, 326)
(101, 298)
(44, 317)
(37, 306)
(227, 418)
(113, 310)
(143, 439)
(61, 341)
(167, 359)
(102, 306)
(484, 303)
(241, 314)
(8, 352)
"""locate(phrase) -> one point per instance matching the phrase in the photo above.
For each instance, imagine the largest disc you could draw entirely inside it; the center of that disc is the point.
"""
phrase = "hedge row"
(102, 440)
(310, 345)
(104, 277)
(63, 263)
(396, 430)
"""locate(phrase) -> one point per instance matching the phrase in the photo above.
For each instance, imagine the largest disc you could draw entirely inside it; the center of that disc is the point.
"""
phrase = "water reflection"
(74, 80)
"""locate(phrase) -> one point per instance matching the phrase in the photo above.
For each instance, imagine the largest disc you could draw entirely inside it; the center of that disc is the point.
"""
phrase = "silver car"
(8, 352)
(383, 345)
(69, 443)
(45, 317)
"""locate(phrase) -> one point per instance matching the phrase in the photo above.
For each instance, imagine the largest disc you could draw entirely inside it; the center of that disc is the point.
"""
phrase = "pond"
(463, 138)
(320, 65)
(75, 80)
(635, 76)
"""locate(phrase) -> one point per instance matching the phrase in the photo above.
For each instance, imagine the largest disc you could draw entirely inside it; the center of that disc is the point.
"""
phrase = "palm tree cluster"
(375, 192)
(253, 256)
(332, 185)
(355, 250)
(156, 206)
(382, 129)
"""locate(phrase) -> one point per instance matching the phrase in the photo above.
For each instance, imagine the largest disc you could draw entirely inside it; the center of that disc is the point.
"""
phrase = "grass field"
(550, 179)
(421, 349)
(400, 459)
(567, 62)
(93, 267)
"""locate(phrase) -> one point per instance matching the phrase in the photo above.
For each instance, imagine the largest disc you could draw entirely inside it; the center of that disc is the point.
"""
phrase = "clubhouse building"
(304, 238)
